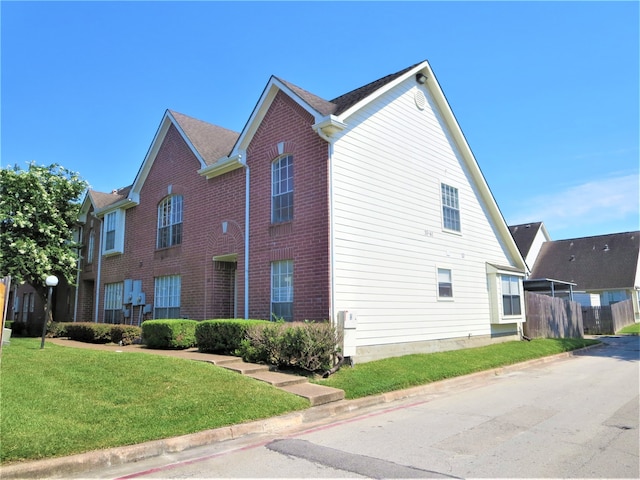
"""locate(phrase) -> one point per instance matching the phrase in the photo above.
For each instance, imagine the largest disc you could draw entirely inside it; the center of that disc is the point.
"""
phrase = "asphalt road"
(572, 418)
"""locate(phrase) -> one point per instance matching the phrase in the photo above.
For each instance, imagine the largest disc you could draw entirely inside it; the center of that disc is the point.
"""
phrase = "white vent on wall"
(420, 99)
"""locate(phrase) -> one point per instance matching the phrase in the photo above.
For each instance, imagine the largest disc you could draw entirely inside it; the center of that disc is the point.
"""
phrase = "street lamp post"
(51, 282)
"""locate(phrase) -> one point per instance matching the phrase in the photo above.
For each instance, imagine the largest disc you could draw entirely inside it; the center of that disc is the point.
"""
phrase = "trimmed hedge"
(311, 346)
(223, 336)
(169, 334)
(95, 332)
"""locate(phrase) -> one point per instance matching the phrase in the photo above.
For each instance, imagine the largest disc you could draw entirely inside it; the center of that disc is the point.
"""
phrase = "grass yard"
(402, 372)
(633, 329)
(60, 400)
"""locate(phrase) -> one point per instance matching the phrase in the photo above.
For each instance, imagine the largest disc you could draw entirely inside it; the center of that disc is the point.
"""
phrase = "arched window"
(91, 247)
(282, 189)
(170, 222)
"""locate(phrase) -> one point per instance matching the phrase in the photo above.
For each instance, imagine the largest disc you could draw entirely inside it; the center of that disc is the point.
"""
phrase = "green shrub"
(170, 334)
(8, 324)
(18, 329)
(58, 329)
(223, 336)
(127, 334)
(311, 346)
(89, 332)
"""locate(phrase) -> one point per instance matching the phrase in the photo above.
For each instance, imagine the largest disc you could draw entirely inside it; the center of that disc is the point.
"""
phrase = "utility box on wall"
(348, 321)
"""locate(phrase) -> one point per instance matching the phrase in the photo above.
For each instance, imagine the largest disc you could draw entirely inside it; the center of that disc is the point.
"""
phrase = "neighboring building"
(529, 238)
(369, 209)
(604, 269)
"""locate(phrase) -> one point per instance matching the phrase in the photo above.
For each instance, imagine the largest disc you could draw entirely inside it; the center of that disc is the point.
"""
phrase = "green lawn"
(402, 372)
(62, 400)
(633, 329)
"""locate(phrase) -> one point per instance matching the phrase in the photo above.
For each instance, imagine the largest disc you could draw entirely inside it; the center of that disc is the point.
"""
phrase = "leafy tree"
(38, 211)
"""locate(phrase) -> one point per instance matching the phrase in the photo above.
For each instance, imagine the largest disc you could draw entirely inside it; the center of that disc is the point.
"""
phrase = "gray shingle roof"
(524, 235)
(602, 262)
(102, 200)
(211, 141)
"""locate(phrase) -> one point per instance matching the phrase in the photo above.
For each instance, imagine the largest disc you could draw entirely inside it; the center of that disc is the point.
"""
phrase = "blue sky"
(545, 92)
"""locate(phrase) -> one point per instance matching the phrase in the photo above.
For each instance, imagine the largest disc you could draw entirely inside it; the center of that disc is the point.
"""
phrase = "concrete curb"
(74, 464)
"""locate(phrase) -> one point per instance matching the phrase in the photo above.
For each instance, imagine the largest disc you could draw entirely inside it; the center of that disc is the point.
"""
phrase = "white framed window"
(113, 237)
(282, 289)
(282, 190)
(167, 296)
(91, 246)
(32, 302)
(510, 295)
(113, 302)
(170, 222)
(450, 208)
(445, 283)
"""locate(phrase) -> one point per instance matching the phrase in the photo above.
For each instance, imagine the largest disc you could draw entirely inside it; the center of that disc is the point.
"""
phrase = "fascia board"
(149, 158)
(87, 203)
(382, 90)
(471, 163)
(260, 110)
(184, 136)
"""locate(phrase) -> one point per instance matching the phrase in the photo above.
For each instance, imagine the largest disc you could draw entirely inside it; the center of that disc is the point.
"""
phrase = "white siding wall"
(388, 235)
(536, 245)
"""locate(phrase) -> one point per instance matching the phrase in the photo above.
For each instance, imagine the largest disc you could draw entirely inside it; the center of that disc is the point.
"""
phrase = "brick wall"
(305, 240)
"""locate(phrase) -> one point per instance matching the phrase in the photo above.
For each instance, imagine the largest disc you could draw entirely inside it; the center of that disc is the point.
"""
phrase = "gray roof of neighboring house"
(603, 262)
(524, 235)
(211, 141)
(102, 200)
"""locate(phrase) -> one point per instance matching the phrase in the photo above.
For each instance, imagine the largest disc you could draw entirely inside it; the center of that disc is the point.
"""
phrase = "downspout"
(246, 241)
(75, 300)
(97, 286)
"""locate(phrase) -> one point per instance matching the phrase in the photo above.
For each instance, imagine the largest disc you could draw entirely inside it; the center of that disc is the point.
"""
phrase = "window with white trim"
(113, 302)
(282, 190)
(170, 222)
(282, 290)
(450, 208)
(445, 283)
(510, 295)
(110, 227)
(167, 296)
(113, 232)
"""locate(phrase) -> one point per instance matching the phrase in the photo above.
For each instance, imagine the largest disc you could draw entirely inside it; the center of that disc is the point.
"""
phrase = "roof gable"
(525, 234)
(603, 262)
(208, 143)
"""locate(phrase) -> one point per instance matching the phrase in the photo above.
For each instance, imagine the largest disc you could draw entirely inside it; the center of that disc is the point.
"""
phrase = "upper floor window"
(450, 208)
(167, 296)
(91, 246)
(170, 222)
(113, 238)
(282, 190)
(510, 295)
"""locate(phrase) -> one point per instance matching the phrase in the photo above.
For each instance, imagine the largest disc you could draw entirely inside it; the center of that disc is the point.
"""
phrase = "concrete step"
(244, 368)
(317, 394)
(278, 379)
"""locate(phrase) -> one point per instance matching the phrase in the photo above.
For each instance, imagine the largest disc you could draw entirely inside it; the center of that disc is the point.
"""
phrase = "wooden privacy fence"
(608, 320)
(550, 317)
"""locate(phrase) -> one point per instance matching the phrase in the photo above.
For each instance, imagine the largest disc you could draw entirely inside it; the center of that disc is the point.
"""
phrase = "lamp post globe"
(51, 281)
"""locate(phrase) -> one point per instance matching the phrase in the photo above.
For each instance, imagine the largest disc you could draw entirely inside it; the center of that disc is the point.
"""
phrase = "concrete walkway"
(296, 384)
